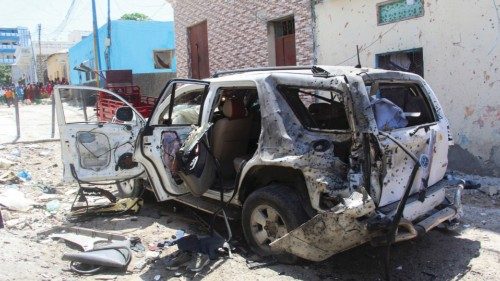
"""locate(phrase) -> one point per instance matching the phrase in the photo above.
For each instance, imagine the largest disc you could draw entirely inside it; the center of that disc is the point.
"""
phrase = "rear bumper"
(347, 226)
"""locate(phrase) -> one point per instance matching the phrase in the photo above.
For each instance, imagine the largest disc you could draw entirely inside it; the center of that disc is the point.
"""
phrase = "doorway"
(198, 51)
(284, 32)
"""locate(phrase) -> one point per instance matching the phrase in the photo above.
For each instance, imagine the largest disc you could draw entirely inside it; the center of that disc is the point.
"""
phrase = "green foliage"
(135, 16)
(5, 72)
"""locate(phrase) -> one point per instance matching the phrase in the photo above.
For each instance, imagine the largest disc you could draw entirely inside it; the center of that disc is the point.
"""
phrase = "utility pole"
(97, 57)
(34, 76)
(39, 39)
(107, 53)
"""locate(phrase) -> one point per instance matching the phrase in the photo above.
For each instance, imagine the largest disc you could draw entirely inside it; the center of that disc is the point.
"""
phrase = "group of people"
(28, 93)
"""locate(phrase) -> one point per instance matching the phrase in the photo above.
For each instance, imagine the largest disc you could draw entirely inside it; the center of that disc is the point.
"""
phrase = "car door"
(422, 132)
(173, 146)
(98, 130)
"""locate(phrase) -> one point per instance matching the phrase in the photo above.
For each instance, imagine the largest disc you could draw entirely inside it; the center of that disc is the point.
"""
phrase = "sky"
(51, 14)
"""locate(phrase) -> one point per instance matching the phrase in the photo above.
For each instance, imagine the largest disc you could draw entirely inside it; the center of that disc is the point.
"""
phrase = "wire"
(65, 20)
(371, 44)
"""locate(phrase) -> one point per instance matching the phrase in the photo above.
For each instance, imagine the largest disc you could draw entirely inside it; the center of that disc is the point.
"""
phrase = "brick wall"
(237, 31)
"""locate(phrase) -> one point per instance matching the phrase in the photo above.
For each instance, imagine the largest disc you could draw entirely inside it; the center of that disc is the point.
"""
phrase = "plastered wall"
(461, 52)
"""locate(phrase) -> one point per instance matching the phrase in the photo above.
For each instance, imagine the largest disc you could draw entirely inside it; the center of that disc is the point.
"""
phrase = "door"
(285, 42)
(198, 51)
(419, 131)
(98, 131)
(173, 149)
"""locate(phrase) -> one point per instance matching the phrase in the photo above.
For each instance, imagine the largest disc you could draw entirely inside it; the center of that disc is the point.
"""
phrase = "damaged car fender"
(330, 232)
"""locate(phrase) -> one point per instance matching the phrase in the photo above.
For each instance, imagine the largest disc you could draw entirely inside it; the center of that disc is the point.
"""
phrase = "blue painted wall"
(132, 45)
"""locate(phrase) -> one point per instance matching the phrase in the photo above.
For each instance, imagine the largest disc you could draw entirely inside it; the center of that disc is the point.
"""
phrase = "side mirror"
(124, 114)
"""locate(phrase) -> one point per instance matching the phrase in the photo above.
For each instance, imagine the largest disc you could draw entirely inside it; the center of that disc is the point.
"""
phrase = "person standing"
(9, 96)
(2, 95)
(37, 92)
(19, 92)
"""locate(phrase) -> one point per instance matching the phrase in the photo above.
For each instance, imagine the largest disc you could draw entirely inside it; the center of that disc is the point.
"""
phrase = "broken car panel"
(98, 150)
(362, 151)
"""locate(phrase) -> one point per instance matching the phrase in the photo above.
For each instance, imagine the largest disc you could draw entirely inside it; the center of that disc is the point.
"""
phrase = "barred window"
(398, 10)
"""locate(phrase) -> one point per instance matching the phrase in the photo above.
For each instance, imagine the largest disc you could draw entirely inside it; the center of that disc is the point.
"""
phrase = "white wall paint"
(461, 49)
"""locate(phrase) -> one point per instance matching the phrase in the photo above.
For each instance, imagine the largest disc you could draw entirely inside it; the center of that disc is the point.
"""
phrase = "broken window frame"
(307, 120)
(421, 91)
(166, 103)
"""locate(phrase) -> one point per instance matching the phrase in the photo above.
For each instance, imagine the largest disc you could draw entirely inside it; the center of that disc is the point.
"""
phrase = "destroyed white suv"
(315, 160)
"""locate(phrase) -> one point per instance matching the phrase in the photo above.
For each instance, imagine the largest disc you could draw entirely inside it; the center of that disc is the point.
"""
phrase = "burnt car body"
(315, 160)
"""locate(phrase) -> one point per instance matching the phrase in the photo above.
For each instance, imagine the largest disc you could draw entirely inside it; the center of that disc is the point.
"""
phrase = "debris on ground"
(15, 152)
(87, 239)
(5, 164)
(8, 177)
(53, 206)
(115, 255)
(15, 200)
(24, 175)
(268, 261)
(45, 188)
(1, 219)
(45, 153)
(475, 238)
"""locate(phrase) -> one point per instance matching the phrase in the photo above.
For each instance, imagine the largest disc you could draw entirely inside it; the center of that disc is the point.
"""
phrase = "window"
(186, 105)
(163, 58)
(414, 105)
(409, 61)
(317, 108)
(398, 10)
(284, 27)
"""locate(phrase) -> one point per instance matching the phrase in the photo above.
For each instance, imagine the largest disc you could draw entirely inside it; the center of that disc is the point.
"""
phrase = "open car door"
(173, 146)
(98, 131)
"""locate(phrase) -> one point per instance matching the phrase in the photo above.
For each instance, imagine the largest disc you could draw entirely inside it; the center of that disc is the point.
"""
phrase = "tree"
(135, 16)
(5, 72)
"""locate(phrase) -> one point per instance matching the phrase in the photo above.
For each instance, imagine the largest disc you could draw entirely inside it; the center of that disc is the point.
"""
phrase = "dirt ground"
(472, 252)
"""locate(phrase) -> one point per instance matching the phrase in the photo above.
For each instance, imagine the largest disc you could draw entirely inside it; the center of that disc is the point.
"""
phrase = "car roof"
(251, 74)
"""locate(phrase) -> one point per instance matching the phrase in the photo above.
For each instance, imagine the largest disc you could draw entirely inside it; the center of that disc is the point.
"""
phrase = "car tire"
(258, 215)
(130, 188)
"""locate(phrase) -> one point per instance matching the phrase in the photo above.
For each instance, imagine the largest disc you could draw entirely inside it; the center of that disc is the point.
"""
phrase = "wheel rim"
(267, 225)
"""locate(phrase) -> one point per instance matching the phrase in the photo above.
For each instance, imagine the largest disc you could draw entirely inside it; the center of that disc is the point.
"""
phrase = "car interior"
(235, 132)
(410, 99)
(320, 110)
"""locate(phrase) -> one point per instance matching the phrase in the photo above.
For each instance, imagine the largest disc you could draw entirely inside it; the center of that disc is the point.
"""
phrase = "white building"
(453, 44)
(15, 50)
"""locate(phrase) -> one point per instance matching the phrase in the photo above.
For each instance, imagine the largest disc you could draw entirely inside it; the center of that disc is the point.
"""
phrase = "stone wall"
(238, 33)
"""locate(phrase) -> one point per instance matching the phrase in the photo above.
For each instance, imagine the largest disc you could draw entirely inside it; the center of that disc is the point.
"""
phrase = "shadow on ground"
(436, 256)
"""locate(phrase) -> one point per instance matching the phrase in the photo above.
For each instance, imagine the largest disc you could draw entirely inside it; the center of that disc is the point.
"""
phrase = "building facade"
(15, 50)
(58, 67)
(453, 44)
(142, 46)
(227, 34)
(43, 50)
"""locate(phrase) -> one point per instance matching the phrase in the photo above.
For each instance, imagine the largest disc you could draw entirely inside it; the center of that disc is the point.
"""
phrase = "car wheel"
(129, 189)
(268, 214)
